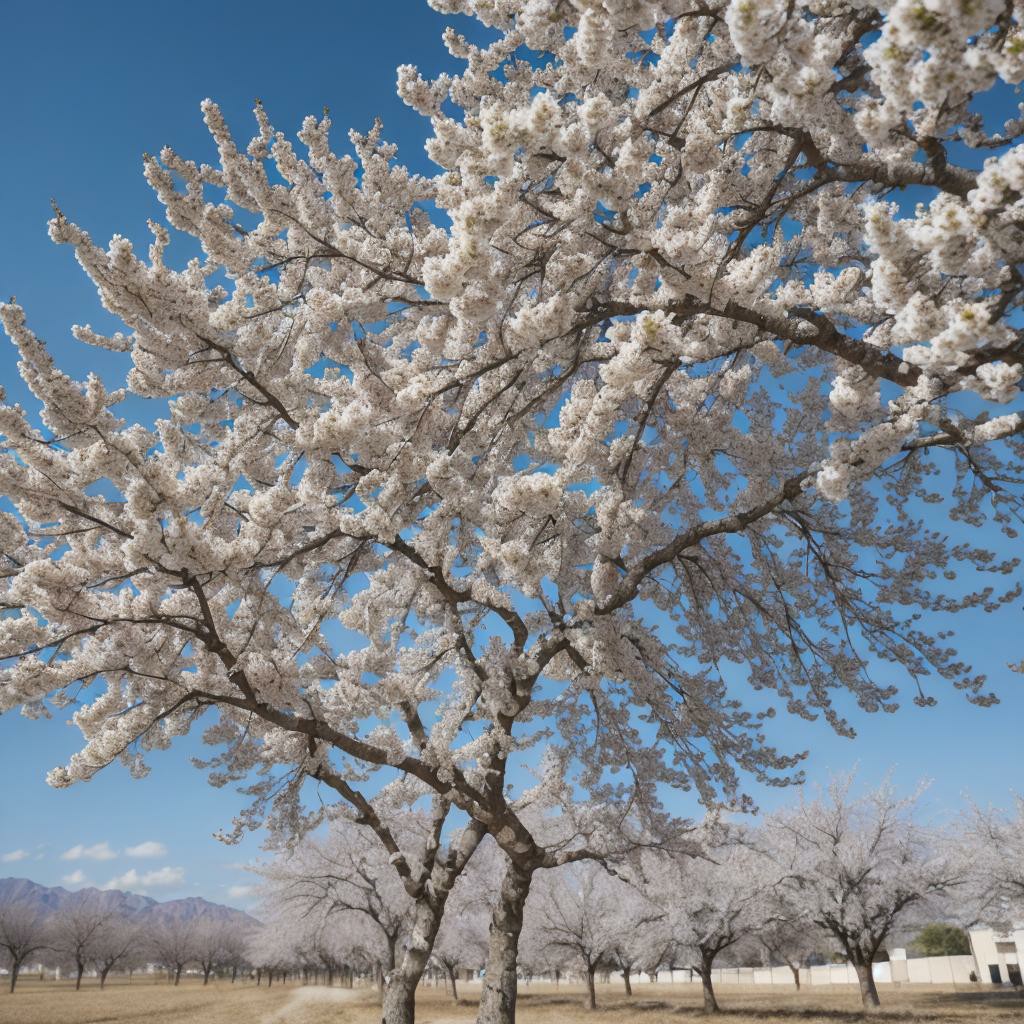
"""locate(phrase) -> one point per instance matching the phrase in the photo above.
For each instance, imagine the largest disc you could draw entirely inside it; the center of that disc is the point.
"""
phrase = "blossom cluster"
(453, 469)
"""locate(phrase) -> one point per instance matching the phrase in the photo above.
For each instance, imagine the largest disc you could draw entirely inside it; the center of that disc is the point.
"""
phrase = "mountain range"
(52, 899)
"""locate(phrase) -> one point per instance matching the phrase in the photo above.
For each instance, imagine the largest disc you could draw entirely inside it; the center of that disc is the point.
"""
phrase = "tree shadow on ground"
(930, 1008)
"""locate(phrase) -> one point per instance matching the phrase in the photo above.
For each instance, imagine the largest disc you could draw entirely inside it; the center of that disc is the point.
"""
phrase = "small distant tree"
(790, 939)
(347, 875)
(708, 903)
(173, 945)
(330, 953)
(631, 921)
(462, 940)
(234, 950)
(938, 939)
(23, 931)
(76, 931)
(787, 935)
(115, 944)
(576, 909)
(209, 939)
(270, 949)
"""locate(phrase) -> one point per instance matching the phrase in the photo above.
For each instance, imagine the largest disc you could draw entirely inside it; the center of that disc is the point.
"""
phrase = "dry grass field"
(144, 1002)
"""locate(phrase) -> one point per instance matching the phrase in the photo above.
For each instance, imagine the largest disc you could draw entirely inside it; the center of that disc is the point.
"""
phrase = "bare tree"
(209, 941)
(76, 930)
(234, 950)
(347, 875)
(462, 940)
(789, 938)
(23, 931)
(577, 913)
(173, 944)
(113, 945)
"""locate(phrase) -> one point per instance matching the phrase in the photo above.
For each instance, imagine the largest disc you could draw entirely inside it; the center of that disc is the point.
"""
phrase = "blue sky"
(84, 91)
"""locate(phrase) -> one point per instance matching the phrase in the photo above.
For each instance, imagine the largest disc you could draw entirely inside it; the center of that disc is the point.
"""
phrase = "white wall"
(935, 970)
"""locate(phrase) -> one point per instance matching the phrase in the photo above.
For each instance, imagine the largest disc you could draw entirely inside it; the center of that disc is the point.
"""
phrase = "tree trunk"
(400, 986)
(79, 971)
(452, 977)
(796, 976)
(399, 1006)
(15, 971)
(710, 1002)
(177, 973)
(591, 990)
(866, 981)
(103, 976)
(399, 1002)
(498, 995)
(625, 978)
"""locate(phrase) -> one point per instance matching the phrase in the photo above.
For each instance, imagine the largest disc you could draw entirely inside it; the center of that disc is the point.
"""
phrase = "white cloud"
(239, 892)
(164, 876)
(77, 877)
(98, 851)
(150, 848)
(13, 856)
(129, 880)
(139, 881)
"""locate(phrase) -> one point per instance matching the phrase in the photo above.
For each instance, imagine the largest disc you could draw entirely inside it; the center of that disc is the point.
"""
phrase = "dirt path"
(310, 997)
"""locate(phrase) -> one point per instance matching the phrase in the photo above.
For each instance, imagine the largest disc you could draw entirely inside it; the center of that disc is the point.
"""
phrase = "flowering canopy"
(861, 867)
(653, 374)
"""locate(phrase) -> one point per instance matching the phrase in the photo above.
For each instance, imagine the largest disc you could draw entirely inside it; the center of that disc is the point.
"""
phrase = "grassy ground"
(144, 1002)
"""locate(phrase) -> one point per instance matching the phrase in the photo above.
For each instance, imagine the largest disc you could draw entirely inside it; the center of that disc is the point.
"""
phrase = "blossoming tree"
(859, 867)
(995, 839)
(345, 876)
(655, 372)
(581, 912)
(703, 906)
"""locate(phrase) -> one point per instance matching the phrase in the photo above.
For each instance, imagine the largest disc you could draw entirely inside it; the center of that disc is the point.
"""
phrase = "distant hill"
(49, 899)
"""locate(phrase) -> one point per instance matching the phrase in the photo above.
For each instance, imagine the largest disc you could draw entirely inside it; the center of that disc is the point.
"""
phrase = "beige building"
(998, 955)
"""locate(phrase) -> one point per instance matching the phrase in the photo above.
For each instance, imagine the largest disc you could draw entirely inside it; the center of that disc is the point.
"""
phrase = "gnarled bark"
(399, 1005)
(498, 997)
